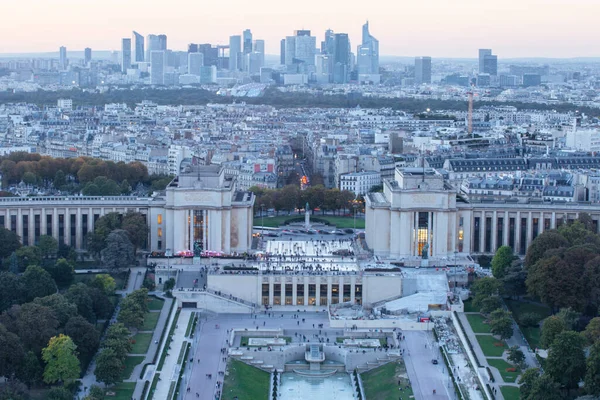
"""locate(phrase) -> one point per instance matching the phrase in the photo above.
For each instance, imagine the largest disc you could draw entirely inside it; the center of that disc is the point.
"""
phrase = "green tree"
(569, 317)
(13, 389)
(59, 393)
(103, 307)
(547, 240)
(48, 246)
(501, 324)
(108, 366)
(104, 282)
(61, 307)
(29, 178)
(38, 282)
(107, 223)
(592, 374)
(117, 339)
(9, 242)
(12, 354)
(12, 290)
(62, 272)
(33, 323)
(485, 287)
(125, 187)
(516, 356)
(59, 179)
(526, 382)
(78, 294)
(30, 372)
(96, 393)
(592, 331)
(551, 328)
(545, 388)
(514, 281)
(119, 251)
(136, 226)
(61, 360)
(591, 277)
(84, 335)
(566, 360)
(577, 234)
(490, 304)
(28, 255)
(169, 284)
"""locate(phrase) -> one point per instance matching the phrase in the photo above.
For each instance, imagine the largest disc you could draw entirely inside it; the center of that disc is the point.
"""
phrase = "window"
(159, 219)
(159, 232)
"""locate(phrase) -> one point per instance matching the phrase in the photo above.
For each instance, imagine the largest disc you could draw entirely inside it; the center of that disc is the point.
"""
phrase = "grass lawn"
(123, 390)
(142, 341)
(119, 278)
(338, 222)
(150, 320)
(469, 306)
(130, 363)
(477, 323)
(245, 382)
(155, 304)
(487, 343)
(381, 383)
(518, 308)
(244, 339)
(510, 392)
(502, 365)
(189, 325)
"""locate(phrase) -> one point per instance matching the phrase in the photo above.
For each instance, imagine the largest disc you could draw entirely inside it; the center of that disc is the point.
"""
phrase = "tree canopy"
(61, 360)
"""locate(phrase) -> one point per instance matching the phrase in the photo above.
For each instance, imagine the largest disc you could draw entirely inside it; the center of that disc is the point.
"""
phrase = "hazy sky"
(439, 28)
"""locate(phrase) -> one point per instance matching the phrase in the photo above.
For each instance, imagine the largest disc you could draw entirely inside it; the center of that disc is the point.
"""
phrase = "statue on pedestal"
(425, 252)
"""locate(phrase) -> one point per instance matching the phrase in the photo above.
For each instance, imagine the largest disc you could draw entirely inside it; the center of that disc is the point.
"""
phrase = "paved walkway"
(152, 349)
(135, 281)
(170, 369)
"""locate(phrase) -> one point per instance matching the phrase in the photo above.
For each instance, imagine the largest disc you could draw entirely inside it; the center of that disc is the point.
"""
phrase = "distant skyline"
(512, 28)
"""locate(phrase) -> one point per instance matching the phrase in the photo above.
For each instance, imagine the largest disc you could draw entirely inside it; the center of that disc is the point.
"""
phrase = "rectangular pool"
(335, 387)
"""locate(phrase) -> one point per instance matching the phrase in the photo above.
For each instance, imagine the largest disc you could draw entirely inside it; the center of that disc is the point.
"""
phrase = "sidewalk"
(154, 346)
(170, 369)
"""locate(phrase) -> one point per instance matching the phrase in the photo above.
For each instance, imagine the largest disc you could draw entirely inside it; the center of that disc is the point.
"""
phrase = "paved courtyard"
(212, 336)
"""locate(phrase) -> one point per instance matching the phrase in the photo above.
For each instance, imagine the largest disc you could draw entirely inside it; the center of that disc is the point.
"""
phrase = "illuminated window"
(159, 219)
(159, 232)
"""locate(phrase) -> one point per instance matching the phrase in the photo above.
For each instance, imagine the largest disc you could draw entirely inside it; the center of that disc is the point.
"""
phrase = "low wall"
(381, 324)
(479, 371)
(211, 302)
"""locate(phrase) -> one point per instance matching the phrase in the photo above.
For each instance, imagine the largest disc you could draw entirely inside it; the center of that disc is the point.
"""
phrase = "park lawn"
(150, 321)
(155, 304)
(245, 382)
(510, 392)
(130, 363)
(153, 386)
(338, 222)
(381, 383)
(190, 324)
(518, 308)
(477, 322)
(501, 365)
(142, 342)
(123, 390)
(487, 343)
(469, 306)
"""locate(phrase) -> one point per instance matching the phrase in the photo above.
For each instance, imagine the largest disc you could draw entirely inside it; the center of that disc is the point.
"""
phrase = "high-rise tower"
(62, 60)
(137, 41)
(422, 70)
(368, 53)
(125, 54)
(235, 52)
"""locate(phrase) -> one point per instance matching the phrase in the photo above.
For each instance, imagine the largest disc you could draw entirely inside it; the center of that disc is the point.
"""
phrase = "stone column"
(494, 232)
(294, 289)
(553, 220)
(271, 291)
(67, 227)
(20, 223)
(529, 228)
(505, 228)
(518, 233)
(31, 223)
(352, 289)
(318, 293)
(43, 222)
(306, 290)
(482, 232)
(329, 290)
(78, 229)
(430, 232)
(541, 223)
